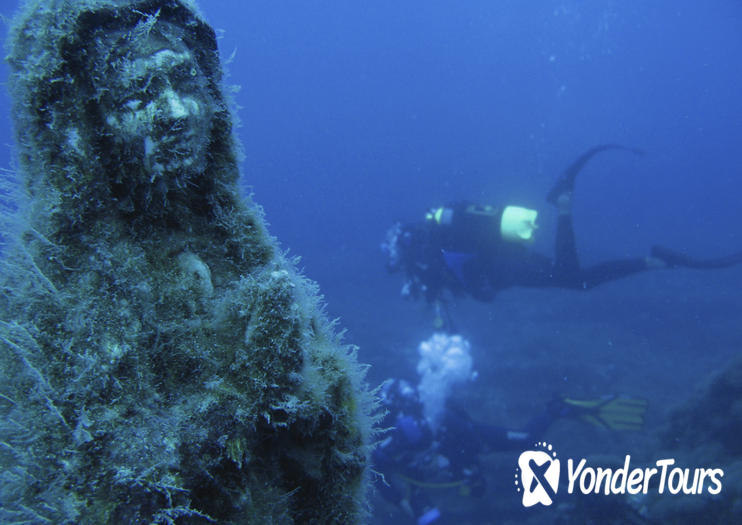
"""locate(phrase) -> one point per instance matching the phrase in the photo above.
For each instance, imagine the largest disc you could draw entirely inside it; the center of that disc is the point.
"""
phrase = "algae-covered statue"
(160, 361)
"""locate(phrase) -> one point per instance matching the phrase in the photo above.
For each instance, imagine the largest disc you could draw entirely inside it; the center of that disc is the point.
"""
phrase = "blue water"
(358, 114)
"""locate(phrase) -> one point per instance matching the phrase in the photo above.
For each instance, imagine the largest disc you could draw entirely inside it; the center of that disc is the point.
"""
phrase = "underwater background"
(358, 114)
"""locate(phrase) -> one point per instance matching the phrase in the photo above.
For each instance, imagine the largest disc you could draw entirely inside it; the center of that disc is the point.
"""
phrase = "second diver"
(466, 248)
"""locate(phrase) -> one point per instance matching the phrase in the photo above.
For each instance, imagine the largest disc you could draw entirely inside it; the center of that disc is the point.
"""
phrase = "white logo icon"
(539, 475)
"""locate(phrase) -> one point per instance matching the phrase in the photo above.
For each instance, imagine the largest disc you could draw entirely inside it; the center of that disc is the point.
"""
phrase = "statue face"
(159, 110)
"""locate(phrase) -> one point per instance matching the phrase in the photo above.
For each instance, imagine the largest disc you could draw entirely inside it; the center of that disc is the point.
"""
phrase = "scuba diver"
(467, 248)
(415, 457)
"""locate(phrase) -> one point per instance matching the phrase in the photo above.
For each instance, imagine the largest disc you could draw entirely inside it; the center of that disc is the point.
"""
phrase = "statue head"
(127, 113)
(156, 108)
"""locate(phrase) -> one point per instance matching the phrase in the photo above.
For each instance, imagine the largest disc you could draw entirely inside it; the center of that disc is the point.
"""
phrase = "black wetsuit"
(564, 271)
(469, 255)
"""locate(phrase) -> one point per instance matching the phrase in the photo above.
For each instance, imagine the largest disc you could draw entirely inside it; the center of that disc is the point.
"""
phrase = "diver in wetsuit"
(416, 458)
(467, 248)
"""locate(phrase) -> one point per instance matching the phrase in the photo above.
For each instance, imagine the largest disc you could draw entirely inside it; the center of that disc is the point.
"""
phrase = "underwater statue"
(160, 360)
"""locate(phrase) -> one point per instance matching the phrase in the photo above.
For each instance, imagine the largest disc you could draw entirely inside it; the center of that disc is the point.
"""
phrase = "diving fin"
(609, 412)
(566, 180)
(675, 259)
